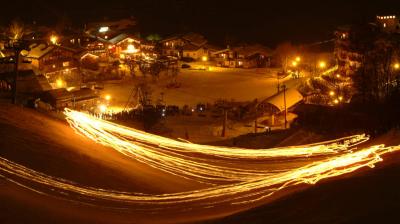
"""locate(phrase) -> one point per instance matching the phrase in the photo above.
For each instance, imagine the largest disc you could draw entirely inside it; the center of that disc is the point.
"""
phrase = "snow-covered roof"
(38, 51)
(191, 47)
(292, 98)
(195, 39)
(250, 50)
(118, 38)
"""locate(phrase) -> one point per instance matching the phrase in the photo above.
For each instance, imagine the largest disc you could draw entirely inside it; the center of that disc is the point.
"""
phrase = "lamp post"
(17, 46)
(284, 104)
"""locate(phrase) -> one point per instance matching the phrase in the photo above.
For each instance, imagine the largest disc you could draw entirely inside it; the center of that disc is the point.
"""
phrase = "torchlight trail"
(80, 121)
(244, 192)
(233, 182)
(177, 157)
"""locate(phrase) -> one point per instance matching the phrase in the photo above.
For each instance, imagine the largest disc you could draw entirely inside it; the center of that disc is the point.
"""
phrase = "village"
(176, 111)
(180, 86)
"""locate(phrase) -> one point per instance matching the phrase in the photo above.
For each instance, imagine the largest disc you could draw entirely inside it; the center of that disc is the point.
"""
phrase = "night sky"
(267, 22)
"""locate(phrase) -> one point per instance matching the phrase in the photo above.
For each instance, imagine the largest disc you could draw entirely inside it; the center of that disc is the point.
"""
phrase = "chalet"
(83, 99)
(124, 44)
(246, 56)
(349, 59)
(105, 29)
(55, 62)
(193, 51)
(173, 46)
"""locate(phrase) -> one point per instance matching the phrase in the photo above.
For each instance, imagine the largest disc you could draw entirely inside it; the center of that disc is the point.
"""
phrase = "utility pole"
(224, 122)
(255, 120)
(16, 47)
(284, 104)
(16, 73)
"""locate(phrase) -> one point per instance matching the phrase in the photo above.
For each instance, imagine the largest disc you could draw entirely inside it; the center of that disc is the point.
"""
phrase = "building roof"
(84, 94)
(191, 47)
(64, 95)
(212, 47)
(195, 39)
(192, 38)
(292, 98)
(250, 50)
(56, 94)
(39, 50)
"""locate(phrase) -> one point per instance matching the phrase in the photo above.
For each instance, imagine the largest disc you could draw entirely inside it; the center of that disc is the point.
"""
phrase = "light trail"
(81, 121)
(233, 182)
(177, 158)
(251, 191)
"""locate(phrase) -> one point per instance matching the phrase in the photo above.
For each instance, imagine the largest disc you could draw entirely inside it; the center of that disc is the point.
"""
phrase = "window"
(65, 63)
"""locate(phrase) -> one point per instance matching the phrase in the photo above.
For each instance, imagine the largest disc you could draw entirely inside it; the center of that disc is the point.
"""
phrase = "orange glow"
(53, 39)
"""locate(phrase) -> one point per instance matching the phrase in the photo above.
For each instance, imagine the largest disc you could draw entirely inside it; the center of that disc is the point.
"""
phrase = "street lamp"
(396, 66)
(331, 93)
(336, 101)
(322, 64)
(204, 58)
(338, 76)
(298, 58)
(108, 97)
(53, 39)
(294, 63)
(103, 108)
(59, 83)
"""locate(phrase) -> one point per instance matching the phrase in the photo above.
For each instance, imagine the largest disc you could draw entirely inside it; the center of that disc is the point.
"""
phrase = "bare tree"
(283, 52)
(16, 30)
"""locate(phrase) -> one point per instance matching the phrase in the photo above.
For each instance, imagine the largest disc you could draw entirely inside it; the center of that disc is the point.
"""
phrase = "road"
(129, 176)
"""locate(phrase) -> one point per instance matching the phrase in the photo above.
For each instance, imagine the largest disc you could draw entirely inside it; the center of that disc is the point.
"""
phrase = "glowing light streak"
(257, 189)
(177, 158)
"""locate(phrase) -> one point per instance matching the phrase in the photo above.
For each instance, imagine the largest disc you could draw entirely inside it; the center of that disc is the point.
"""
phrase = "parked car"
(172, 110)
(187, 59)
(185, 66)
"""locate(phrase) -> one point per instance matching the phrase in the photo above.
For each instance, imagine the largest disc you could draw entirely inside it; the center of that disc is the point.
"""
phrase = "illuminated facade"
(348, 58)
(389, 23)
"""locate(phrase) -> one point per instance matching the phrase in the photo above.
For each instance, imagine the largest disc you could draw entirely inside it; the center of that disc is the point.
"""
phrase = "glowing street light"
(103, 108)
(53, 39)
(204, 58)
(340, 98)
(59, 83)
(322, 64)
(298, 58)
(336, 101)
(338, 76)
(331, 93)
(108, 97)
(294, 63)
(396, 66)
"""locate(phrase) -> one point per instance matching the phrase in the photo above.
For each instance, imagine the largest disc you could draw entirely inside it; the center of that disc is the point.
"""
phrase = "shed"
(277, 102)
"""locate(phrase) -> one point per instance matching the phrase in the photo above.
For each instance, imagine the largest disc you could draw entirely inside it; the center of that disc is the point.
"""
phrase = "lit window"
(66, 63)
(384, 25)
(54, 66)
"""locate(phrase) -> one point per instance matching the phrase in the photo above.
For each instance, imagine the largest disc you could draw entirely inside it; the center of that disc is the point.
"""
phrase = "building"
(174, 45)
(195, 52)
(55, 63)
(246, 56)
(348, 58)
(28, 83)
(83, 99)
(389, 23)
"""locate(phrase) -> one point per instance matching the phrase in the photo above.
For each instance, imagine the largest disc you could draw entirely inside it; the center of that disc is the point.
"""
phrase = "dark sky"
(267, 22)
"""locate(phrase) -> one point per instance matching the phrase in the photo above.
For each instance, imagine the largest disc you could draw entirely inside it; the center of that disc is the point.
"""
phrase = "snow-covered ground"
(199, 86)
